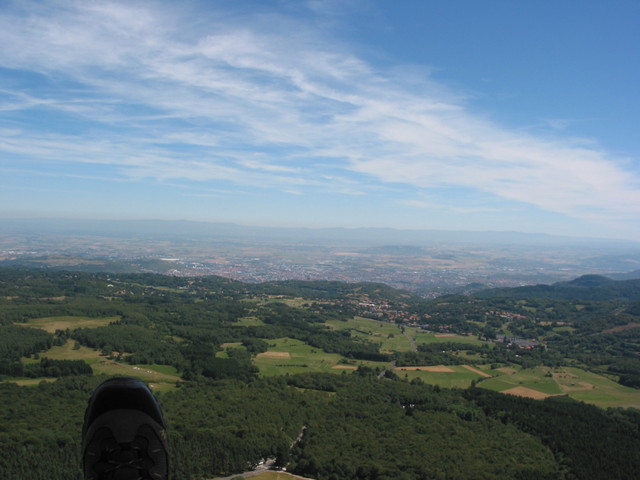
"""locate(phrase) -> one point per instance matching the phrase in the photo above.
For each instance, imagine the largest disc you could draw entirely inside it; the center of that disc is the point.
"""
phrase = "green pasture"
(590, 387)
(68, 352)
(147, 373)
(430, 337)
(579, 384)
(249, 322)
(295, 302)
(564, 329)
(224, 353)
(162, 377)
(469, 357)
(166, 289)
(460, 377)
(32, 382)
(51, 324)
(161, 369)
(288, 355)
(533, 378)
(388, 335)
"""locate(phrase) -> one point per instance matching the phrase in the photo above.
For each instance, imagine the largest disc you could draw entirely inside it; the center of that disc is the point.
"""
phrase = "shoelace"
(117, 458)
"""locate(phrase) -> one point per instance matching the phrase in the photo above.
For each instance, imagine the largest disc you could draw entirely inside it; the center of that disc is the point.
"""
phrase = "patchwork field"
(574, 382)
(447, 376)
(288, 355)
(51, 324)
(388, 335)
(160, 377)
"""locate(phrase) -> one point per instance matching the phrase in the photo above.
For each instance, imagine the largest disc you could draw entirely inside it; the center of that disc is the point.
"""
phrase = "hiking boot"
(124, 433)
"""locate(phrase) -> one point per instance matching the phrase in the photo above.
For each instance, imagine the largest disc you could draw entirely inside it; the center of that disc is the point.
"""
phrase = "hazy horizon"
(368, 235)
(428, 262)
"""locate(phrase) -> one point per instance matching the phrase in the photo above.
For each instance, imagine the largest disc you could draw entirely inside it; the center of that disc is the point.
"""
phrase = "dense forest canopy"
(364, 420)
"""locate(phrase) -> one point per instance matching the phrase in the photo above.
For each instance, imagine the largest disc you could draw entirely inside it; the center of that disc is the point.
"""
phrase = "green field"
(288, 355)
(429, 337)
(295, 302)
(579, 384)
(160, 377)
(152, 374)
(68, 352)
(224, 353)
(30, 382)
(249, 322)
(533, 378)
(51, 324)
(388, 335)
(459, 377)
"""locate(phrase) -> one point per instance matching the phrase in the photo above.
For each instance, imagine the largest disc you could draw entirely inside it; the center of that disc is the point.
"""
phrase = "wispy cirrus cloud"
(156, 93)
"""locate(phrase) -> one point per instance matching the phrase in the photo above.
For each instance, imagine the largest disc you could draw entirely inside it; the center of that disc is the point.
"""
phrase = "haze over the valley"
(428, 262)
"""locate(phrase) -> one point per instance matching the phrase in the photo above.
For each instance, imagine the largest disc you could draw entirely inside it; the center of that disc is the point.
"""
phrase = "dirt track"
(475, 370)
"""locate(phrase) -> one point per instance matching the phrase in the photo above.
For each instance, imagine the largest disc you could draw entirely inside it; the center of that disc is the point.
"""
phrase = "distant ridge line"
(226, 230)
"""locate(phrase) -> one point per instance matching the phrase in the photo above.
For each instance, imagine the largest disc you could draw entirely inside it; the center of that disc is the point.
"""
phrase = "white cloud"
(246, 104)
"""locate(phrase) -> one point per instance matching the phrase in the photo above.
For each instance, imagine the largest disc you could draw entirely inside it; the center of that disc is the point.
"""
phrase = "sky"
(410, 114)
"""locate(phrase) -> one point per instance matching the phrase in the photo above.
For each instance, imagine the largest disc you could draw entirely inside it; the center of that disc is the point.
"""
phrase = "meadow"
(541, 382)
(291, 356)
(51, 324)
(249, 322)
(288, 355)
(159, 377)
(395, 338)
(430, 337)
(449, 376)
(388, 335)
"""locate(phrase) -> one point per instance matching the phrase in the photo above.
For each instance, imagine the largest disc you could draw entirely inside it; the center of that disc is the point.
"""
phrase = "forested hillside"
(587, 287)
(244, 370)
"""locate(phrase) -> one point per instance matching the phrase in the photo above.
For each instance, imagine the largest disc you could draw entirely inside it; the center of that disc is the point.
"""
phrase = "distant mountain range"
(80, 264)
(586, 287)
(177, 230)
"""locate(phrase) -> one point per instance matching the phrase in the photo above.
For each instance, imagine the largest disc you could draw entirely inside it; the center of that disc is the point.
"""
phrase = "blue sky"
(457, 115)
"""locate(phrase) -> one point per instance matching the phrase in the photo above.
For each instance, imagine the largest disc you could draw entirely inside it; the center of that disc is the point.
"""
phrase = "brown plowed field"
(274, 355)
(526, 392)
